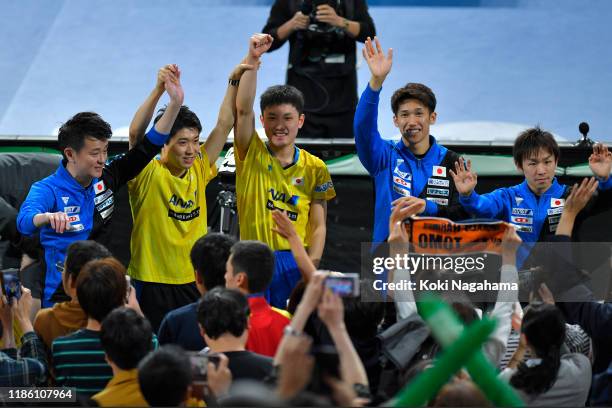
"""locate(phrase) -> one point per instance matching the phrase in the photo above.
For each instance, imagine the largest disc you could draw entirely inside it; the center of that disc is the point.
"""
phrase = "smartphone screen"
(11, 284)
(345, 285)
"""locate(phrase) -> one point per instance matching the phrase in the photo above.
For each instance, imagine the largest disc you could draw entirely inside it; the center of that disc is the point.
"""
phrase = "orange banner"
(432, 235)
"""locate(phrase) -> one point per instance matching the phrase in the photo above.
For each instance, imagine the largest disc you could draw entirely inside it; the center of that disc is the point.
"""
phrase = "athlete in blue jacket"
(78, 199)
(533, 207)
(416, 166)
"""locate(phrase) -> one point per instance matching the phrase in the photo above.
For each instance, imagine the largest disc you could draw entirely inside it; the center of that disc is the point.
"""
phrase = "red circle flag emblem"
(439, 171)
(557, 202)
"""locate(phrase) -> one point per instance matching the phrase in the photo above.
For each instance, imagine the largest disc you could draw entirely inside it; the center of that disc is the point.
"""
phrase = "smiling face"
(281, 124)
(88, 162)
(181, 150)
(413, 119)
(539, 170)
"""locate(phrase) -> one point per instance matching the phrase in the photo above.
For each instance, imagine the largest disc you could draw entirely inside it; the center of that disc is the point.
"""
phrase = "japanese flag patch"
(438, 171)
(99, 186)
(557, 202)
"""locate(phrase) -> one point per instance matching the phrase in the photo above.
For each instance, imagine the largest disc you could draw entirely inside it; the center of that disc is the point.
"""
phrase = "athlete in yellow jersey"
(278, 175)
(168, 203)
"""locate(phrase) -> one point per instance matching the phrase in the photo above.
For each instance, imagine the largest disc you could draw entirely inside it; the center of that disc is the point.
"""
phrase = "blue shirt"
(397, 172)
(180, 326)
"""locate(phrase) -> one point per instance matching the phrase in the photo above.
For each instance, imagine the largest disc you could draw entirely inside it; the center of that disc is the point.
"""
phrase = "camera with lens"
(321, 38)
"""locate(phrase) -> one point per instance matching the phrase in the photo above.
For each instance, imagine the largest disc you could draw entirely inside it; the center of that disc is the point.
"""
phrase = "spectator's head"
(281, 114)
(543, 327)
(223, 315)
(101, 287)
(83, 140)
(460, 393)
(165, 377)
(208, 257)
(362, 318)
(250, 267)
(536, 154)
(77, 255)
(414, 110)
(126, 338)
(184, 143)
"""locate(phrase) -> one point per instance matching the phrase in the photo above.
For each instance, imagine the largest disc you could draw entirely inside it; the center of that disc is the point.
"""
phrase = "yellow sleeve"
(255, 148)
(324, 188)
(209, 170)
(139, 184)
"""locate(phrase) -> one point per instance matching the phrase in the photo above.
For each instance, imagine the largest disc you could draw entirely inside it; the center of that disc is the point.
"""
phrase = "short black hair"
(164, 376)
(77, 128)
(186, 118)
(126, 337)
(529, 142)
(256, 260)
(208, 257)
(412, 90)
(101, 287)
(223, 310)
(81, 252)
(281, 94)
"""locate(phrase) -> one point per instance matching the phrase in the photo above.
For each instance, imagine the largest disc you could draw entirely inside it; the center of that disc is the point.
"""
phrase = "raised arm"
(575, 202)
(318, 230)
(285, 228)
(227, 113)
(245, 116)
(368, 141)
(331, 312)
(144, 114)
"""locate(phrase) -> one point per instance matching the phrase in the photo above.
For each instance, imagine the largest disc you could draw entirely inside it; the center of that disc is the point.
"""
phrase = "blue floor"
(522, 62)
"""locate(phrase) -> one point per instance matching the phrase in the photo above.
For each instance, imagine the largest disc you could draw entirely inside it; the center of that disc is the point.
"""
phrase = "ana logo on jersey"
(179, 202)
(438, 171)
(557, 202)
(279, 196)
(65, 200)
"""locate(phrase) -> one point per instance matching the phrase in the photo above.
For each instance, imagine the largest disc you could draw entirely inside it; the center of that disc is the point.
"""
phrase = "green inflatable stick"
(446, 328)
(427, 384)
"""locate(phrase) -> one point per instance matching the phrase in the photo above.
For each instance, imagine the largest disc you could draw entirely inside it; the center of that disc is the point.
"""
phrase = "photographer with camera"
(322, 38)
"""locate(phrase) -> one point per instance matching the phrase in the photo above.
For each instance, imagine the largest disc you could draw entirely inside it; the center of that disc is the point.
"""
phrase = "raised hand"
(161, 76)
(173, 86)
(600, 161)
(284, 227)
(219, 378)
(379, 64)
(510, 244)
(580, 195)
(404, 207)
(464, 178)
(258, 45)
(331, 310)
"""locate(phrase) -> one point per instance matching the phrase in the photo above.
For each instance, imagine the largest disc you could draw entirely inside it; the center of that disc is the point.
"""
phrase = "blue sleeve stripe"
(158, 139)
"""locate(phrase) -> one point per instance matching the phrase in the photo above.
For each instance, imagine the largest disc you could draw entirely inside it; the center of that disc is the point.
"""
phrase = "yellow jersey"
(169, 216)
(263, 185)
